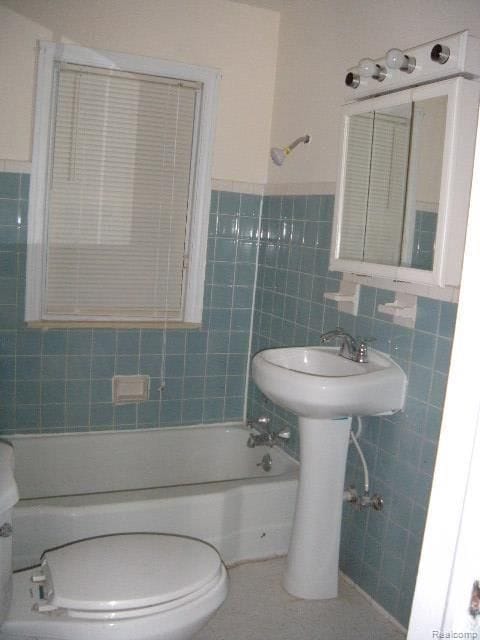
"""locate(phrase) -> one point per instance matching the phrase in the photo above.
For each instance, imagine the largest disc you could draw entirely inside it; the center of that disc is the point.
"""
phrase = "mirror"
(401, 179)
(392, 183)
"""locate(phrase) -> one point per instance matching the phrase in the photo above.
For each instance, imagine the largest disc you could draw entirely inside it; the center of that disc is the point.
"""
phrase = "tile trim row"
(218, 184)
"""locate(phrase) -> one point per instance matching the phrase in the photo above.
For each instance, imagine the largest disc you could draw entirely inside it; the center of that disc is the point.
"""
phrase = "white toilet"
(140, 586)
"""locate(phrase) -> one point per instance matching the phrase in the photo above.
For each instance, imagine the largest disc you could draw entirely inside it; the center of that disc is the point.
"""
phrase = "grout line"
(252, 314)
(90, 381)
(211, 239)
(232, 308)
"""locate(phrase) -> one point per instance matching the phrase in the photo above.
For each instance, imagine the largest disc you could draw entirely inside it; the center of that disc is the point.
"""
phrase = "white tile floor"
(257, 608)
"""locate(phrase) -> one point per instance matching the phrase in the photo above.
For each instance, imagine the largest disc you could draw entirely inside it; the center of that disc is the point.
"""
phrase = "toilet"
(139, 586)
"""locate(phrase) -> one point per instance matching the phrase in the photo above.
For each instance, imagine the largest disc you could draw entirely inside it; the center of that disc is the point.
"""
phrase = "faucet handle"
(362, 349)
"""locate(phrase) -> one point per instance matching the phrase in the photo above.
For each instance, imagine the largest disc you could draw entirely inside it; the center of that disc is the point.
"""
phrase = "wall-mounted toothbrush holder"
(347, 297)
(403, 309)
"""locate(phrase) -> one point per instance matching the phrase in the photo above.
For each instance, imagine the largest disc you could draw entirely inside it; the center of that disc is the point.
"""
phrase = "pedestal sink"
(324, 390)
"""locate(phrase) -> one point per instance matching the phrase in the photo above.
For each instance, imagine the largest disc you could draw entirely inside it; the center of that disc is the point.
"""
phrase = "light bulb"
(367, 68)
(395, 58)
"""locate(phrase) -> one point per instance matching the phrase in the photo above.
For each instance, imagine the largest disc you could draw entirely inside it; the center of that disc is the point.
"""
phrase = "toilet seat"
(177, 620)
(125, 575)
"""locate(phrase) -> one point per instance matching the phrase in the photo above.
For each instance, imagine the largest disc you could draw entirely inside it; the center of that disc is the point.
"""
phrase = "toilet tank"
(8, 498)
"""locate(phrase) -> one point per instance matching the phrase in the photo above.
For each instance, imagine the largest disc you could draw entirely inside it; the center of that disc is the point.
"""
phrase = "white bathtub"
(200, 481)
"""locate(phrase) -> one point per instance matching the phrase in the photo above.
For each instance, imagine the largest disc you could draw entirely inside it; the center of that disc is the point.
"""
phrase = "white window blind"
(375, 186)
(122, 157)
(357, 176)
(387, 189)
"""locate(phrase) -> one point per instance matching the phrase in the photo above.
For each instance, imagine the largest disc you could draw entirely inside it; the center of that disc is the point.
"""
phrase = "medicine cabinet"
(404, 182)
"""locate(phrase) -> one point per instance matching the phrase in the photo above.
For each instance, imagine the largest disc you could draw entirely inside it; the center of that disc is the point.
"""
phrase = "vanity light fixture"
(352, 79)
(440, 53)
(454, 55)
(396, 59)
(368, 68)
(278, 155)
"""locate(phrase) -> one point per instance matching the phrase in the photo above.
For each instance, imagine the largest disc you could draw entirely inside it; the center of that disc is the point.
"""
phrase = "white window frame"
(51, 53)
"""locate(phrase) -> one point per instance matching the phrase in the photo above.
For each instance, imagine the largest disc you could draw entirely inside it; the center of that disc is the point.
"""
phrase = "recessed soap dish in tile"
(403, 309)
(347, 297)
(127, 389)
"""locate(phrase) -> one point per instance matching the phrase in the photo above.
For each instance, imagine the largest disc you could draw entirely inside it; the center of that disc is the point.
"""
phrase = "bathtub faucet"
(265, 437)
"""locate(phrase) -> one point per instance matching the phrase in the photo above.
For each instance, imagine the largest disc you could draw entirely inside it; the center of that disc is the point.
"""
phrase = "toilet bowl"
(127, 587)
(140, 586)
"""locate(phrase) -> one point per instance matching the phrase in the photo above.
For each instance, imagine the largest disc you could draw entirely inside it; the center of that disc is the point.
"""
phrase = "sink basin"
(316, 382)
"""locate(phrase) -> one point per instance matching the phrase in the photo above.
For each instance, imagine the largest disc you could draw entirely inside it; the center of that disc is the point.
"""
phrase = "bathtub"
(200, 481)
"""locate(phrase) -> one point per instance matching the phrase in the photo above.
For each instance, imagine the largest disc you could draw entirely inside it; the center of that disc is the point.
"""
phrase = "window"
(120, 188)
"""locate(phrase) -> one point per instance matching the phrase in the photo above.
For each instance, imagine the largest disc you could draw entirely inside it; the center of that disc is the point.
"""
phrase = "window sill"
(87, 324)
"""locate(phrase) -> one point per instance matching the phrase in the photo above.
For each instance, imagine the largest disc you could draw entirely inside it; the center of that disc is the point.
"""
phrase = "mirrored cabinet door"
(376, 185)
(401, 203)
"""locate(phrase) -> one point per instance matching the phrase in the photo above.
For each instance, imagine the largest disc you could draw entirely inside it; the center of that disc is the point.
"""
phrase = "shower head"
(278, 155)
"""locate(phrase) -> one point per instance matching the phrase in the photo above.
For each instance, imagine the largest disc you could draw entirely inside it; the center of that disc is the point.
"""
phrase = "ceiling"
(275, 5)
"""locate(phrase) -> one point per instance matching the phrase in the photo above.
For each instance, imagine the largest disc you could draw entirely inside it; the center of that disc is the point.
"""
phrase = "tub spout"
(258, 439)
(266, 438)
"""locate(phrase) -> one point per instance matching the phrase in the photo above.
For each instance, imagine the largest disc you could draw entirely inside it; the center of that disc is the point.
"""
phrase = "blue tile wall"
(424, 240)
(379, 551)
(60, 380)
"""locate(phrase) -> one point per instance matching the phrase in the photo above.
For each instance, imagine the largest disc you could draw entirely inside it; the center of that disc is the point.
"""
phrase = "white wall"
(239, 40)
(319, 40)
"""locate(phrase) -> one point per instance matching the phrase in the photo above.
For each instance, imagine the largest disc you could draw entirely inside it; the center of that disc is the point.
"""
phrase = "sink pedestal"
(312, 564)
(318, 385)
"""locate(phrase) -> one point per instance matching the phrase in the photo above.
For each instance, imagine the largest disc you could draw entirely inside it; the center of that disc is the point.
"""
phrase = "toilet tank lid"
(128, 571)
(8, 487)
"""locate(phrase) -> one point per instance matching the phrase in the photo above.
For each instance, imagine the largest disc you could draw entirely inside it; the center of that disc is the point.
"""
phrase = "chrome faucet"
(265, 437)
(350, 348)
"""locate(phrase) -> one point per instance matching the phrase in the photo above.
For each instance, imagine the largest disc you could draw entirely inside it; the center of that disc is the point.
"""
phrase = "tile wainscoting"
(379, 551)
(60, 380)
